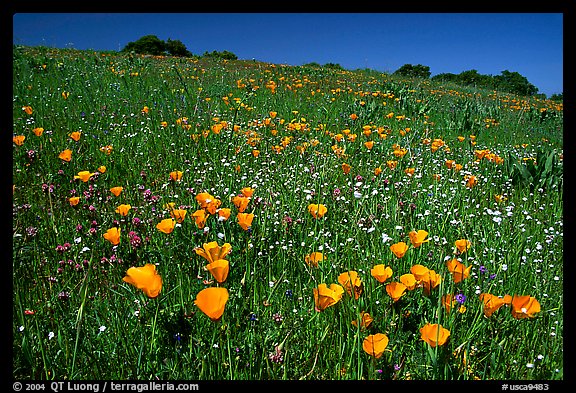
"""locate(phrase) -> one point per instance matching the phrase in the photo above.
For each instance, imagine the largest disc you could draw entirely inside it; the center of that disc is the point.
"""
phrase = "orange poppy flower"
(399, 249)
(432, 280)
(204, 199)
(351, 282)
(462, 245)
(241, 202)
(113, 235)
(420, 272)
(145, 278)
(492, 303)
(353, 116)
(524, 307)
(346, 168)
(74, 200)
(365, 320)
(448, 301)
(408, 280)
(381, 273)
(212, 302)
(116, 190)
(245, 220)
(396, 290)
(312, 259)
(123, 210)
(247, 192)
(166, 225)
(212, 252)
(176, 175)
(223, 214)
(200, 218)
(392, 164)
(317, 211)
(417, 238)
(66, 155)
(471, 181)
(434, 334)
(377, 171)
(27, 109)
(375, 344)
(219, 269)
(38, 131)
(84, 176)
(450, 164)
(178, 215)
(18, 140)
(75, 135)
(458, 270)
(409, 171)
(102, 169)
(369, 144)
(325, 296)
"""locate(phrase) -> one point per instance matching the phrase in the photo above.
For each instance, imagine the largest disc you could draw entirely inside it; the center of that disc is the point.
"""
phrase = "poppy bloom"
(369, 145)
(353, 116)
(381, 273)
(375, 344)
(408, 280)
(241, 202)
(312, 259)
(38, 131)
(417, 238)
(351, 282)
(524, 307)
(325, 296)
(409, 171)
(448, 302)
(212, 301)
(365, 320)
(450, 164)
(346, 168)
(27, 109)
(396, 290)
(116, 190)
(223, 214)
(178, 215)
(492, 303)
(75, 135)
(245, 220)
(392, 164)
(145, 278)
(377, 171)
(500, 198)
(212, 251)
(431, 281)
(113, 235)
(66, 155)
(200, 217)
(123, 210)
(219, 269)
(399, 249)
(471, 181)
(420, 272)
(247, 192)
(458, 270)
(176, 175)
(18, 140)
(74, 200)
(166, 225)
(434, 334)
(102, 169)
(207, 202)
(462, 245)
(317, 211)
(84, 176)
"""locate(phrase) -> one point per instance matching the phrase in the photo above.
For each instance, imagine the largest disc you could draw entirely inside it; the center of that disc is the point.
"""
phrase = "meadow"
(203, 219)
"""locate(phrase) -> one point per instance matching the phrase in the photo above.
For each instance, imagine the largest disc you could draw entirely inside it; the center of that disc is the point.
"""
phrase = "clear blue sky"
(528, 43)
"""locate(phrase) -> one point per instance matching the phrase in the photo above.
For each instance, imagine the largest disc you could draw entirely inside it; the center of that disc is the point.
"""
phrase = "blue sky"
(528, 43)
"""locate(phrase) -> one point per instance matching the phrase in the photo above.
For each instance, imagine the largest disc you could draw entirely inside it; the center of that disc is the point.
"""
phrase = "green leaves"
(544, 171)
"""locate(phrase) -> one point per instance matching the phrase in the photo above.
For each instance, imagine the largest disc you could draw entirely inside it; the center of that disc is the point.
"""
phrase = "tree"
(148, 44)
(177, 48)
(414, 71)
(513, 82)
(557, 97)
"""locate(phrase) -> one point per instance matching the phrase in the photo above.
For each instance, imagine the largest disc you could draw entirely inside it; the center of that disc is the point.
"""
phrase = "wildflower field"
(202, 219)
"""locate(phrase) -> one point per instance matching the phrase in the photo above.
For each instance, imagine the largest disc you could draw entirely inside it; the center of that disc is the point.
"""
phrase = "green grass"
(75, 318)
